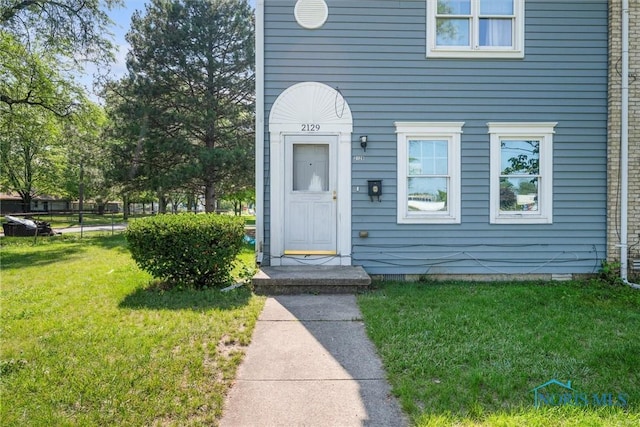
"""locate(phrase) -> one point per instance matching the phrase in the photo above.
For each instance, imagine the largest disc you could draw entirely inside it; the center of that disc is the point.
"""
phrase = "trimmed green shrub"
(186, 249)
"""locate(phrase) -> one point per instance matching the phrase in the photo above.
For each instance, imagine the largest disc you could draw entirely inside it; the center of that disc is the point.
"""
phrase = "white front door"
(310, 195)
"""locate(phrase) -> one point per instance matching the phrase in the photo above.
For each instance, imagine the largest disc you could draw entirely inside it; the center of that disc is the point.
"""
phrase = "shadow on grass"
(114, 241)
(152, 298)
(37, 259)
(46, 250)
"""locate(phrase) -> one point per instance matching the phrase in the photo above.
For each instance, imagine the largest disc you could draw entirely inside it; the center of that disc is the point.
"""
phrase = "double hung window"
(428, 172)
(521, 189)
(475, 28)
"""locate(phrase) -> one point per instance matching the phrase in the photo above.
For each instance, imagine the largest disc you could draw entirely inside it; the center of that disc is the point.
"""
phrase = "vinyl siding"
(374, 52)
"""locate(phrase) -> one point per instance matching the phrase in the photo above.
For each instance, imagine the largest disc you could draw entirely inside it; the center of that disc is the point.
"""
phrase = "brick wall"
(613, 151)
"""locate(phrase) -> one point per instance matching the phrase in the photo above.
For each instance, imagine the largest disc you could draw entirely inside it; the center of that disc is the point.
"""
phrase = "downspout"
(624, 148)
(259, 130)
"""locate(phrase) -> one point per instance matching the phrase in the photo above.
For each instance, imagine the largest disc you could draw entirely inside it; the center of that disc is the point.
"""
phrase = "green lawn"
(87, 341)
(471, 354)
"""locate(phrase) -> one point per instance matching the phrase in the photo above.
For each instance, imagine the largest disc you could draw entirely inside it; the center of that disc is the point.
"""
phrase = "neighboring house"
(422, 137)
(615, 131)
(12, 203)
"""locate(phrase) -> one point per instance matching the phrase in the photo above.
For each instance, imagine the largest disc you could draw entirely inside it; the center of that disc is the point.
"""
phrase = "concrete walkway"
(310, 363)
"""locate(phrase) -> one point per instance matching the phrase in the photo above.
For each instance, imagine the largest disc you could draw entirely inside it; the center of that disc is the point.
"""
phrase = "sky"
(121, 16)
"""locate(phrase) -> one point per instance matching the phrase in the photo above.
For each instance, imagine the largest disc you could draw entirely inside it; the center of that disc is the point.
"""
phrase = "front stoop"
(312, 279)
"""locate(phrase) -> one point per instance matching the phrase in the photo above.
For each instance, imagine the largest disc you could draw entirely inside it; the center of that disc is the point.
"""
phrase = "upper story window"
(521, 189)
(429, 172)
(475, 28)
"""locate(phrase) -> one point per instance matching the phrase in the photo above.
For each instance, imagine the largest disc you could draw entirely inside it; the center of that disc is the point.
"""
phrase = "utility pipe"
(624, 148)
(259, 76)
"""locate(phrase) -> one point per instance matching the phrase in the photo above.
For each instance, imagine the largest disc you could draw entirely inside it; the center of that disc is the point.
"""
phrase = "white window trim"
(542, 132)
(473, 51)
(449, 131)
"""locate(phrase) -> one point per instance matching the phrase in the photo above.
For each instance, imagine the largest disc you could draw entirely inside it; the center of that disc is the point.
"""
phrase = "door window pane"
(310, 167)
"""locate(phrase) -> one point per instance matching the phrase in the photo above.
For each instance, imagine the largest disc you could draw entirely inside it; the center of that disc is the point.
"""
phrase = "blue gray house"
(433, 137)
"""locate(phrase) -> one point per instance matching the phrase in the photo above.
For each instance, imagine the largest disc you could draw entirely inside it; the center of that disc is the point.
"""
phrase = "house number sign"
(310, 127)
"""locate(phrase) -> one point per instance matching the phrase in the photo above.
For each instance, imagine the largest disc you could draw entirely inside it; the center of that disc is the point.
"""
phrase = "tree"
(191, 82)
(42, 42)
(36, 143)
(30, 78)
(72, 31)
(528, 187)
(31, 155)
(86, 156)
(142, 157)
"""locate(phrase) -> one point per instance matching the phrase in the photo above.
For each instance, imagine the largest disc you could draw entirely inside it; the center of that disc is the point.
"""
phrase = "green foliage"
(45, 120)
(31, 151)
(186, 249)
(183, 117)
(48, 40)
(610, 272)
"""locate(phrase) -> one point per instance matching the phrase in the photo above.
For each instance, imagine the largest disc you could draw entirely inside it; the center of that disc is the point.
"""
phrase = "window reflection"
(310, 167)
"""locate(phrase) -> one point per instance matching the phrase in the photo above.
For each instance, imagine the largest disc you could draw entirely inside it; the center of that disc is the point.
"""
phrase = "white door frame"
(310, 216)
(310, 108)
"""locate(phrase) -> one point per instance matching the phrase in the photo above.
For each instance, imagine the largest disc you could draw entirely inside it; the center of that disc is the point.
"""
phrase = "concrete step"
(311, 279)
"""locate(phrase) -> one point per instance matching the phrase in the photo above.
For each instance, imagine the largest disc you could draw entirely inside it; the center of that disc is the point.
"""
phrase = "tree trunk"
(162, 203)
(191, 203)
(209, 198)
(26, 202)
(81, 194)
(125, 207)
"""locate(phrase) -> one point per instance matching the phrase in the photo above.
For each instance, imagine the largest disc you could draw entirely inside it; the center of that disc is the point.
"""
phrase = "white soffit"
(311, 14)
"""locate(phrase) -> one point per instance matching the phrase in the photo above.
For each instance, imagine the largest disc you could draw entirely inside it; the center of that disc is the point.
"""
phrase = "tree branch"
(27, 101)
(15, 9)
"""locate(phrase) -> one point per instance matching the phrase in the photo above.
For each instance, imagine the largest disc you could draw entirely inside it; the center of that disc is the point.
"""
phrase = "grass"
(471, 354)
(86, 340)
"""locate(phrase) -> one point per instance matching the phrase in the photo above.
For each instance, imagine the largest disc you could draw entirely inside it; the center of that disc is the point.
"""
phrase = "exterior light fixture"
(363, 142)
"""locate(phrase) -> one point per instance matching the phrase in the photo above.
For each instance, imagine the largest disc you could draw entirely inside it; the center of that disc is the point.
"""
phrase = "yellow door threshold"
(310, 252)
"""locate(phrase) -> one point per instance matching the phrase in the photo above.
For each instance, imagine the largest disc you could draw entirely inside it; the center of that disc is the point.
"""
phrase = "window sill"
(475, 54)
(428, 220)
(522, 219)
